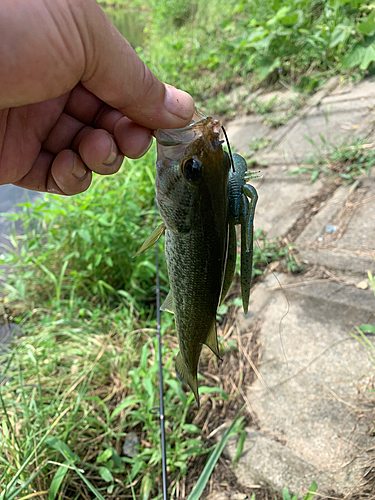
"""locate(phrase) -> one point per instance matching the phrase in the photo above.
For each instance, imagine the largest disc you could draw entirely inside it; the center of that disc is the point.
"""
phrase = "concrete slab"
(244, 130)
(352, 91)
(342, 234)
(321, 128)
(312, 400)
(281, 199)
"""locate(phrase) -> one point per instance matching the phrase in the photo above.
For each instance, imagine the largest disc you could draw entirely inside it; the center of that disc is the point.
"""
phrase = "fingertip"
(100, 153)
(179, 103)
(68, 174)
(133, 139)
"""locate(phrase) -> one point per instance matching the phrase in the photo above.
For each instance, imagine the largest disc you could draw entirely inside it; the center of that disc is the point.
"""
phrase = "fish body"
(201, 201)
(192, 196)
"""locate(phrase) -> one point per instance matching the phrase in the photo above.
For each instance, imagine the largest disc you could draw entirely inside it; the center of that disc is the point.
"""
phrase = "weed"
(267, 251)
(259, 143)
(264, 107)
(309, 496)
(83, 375)
(345, 162)
(208, 48)
(84, 246)
(72, 389)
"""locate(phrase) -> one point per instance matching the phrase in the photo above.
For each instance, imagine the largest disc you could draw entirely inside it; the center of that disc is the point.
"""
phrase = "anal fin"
(185, 376)
(211, 340)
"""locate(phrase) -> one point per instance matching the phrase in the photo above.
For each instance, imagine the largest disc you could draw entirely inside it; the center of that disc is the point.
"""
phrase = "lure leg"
(251, 193)
(246, 258)
(247, 235)
(230, 266)
(252, 174)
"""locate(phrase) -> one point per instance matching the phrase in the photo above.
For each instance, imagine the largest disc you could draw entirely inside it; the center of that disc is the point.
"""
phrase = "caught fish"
(199, 217)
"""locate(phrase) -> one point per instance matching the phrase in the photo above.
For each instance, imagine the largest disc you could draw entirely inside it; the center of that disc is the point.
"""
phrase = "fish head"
(191, 167)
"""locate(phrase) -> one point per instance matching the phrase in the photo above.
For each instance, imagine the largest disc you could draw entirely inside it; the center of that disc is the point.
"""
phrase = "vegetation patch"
(345, 163)
(81, 373)
(209, 48)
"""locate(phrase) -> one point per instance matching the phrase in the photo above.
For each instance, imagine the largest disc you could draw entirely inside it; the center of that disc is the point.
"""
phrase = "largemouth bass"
(192, 196)
(199, 217)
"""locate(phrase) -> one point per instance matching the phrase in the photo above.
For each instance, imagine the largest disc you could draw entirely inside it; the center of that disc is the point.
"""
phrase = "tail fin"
(185, 376)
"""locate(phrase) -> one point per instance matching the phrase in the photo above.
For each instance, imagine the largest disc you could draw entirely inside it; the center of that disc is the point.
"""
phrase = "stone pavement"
(313, 401)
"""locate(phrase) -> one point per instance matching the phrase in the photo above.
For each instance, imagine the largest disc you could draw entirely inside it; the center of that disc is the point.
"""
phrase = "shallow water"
(9, 197)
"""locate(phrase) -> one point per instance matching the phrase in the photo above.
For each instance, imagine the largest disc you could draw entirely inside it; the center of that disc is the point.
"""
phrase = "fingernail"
(112, 155)
(79, 171)
(149, 144)
(178, 102)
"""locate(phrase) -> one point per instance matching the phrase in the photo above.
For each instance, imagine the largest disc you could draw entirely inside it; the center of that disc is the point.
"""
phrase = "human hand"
(74, 96)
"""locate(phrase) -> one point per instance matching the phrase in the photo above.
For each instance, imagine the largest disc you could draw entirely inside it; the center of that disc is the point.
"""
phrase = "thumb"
(115, 74)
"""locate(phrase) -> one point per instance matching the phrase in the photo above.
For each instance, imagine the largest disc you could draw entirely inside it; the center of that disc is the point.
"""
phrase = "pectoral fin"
(167, 305)
(211, 341)
(185, 376)
(153, 238)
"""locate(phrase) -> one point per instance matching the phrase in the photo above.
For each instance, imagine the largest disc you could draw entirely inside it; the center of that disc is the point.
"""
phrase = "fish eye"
(192, 169)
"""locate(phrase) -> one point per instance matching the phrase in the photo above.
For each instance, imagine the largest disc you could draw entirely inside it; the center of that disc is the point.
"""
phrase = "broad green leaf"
(192, 429)
(125, 403)
(354, 57)
(62, 448)
(367, 328)
(368, 58)
(368, 26)
(146, 486)
(209, 390)
(223, 309)
(106, 474)
(290, 19)
(286, 494)
(212, 460)
(105, 455)
(312, 491)
(339, 35)
(57, 480)
(85, 235)
(264, 70)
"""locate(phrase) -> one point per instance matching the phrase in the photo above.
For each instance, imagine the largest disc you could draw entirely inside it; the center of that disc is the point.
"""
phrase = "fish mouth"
(201, 126)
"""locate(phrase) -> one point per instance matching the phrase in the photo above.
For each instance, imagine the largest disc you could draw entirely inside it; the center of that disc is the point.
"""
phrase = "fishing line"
(161, 392)
(230, 151)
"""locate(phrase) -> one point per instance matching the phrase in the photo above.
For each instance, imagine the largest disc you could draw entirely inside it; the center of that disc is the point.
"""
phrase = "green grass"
(83, 374)
(72, 391)
(345, 162)
(209, 48)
